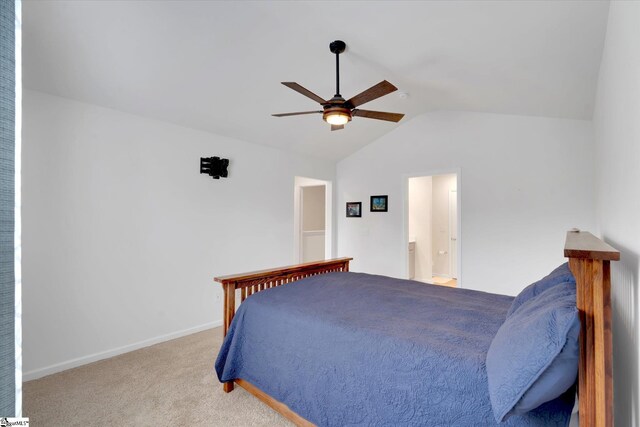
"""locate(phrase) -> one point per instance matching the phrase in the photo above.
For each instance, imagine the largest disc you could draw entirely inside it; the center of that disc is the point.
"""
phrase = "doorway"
(312, 220)
(432, 229)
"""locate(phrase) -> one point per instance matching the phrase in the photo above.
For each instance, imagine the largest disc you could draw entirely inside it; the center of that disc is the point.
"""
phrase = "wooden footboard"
(247, 284)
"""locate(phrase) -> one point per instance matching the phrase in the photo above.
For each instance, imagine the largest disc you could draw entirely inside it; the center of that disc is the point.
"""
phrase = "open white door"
(453, 234)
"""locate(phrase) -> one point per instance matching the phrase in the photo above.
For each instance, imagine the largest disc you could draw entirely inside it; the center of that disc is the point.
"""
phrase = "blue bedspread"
(357, 349)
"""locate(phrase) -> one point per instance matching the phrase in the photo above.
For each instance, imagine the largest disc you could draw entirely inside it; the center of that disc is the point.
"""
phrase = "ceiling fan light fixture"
(337, 116)
(337, 111)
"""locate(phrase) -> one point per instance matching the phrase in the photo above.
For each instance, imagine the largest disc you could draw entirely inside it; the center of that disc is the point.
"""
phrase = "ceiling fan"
(337, 111)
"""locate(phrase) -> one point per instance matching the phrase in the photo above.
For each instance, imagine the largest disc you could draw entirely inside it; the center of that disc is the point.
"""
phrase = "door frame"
(405, 218)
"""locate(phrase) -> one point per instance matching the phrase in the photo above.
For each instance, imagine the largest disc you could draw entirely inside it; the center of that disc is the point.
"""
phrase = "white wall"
(419, 223)
(617, 136)
(443, 185)
(524, 181)
(123, 236)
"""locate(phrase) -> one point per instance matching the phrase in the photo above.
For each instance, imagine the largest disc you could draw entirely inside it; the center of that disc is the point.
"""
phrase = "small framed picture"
(354, 209)
(379, 203)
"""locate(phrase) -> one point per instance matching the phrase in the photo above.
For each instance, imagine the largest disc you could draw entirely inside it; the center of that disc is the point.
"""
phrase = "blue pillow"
(559, 275)
(534, 356)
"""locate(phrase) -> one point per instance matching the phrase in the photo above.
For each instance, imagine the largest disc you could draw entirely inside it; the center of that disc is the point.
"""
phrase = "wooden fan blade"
(306, 92)
(299, 113)
(379, 115)
(337, 127)
(374, 92)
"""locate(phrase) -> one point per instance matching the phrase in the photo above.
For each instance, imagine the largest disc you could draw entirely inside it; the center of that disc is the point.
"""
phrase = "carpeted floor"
(168, 384)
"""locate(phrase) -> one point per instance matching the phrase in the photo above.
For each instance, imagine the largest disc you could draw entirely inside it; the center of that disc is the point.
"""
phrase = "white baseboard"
(73, 363)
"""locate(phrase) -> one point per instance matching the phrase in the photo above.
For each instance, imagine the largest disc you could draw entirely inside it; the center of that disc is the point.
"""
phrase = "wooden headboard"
(589, 260)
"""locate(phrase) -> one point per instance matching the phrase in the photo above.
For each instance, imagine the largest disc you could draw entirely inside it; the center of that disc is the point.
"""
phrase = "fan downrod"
(337, 47)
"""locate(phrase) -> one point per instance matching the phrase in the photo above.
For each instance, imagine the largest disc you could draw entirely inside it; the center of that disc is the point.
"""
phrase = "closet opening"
(312, 220)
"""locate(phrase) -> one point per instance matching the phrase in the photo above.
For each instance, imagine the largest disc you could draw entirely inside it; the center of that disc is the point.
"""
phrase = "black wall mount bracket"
(215, 167)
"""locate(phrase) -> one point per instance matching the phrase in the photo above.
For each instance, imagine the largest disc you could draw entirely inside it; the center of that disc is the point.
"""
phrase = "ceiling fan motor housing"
(337, 47)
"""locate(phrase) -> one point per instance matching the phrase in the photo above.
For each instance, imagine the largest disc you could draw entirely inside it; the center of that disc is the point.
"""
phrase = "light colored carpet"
(168, 384)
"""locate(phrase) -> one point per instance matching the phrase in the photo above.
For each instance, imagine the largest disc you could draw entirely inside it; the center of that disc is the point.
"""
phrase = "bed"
(340, 348)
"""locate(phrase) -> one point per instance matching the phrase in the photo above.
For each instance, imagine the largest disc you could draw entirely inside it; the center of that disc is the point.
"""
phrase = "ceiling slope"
(217, 66)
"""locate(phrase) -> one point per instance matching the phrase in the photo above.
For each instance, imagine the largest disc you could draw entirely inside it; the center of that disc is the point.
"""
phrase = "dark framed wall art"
(354, 209)
(379, 203)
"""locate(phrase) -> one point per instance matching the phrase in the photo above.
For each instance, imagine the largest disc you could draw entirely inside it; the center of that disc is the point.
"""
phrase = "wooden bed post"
(589, 261)
(256, 281)
(229, 289)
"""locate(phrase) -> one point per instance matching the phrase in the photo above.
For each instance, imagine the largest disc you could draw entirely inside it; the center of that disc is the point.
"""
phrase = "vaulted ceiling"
(217, 66)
